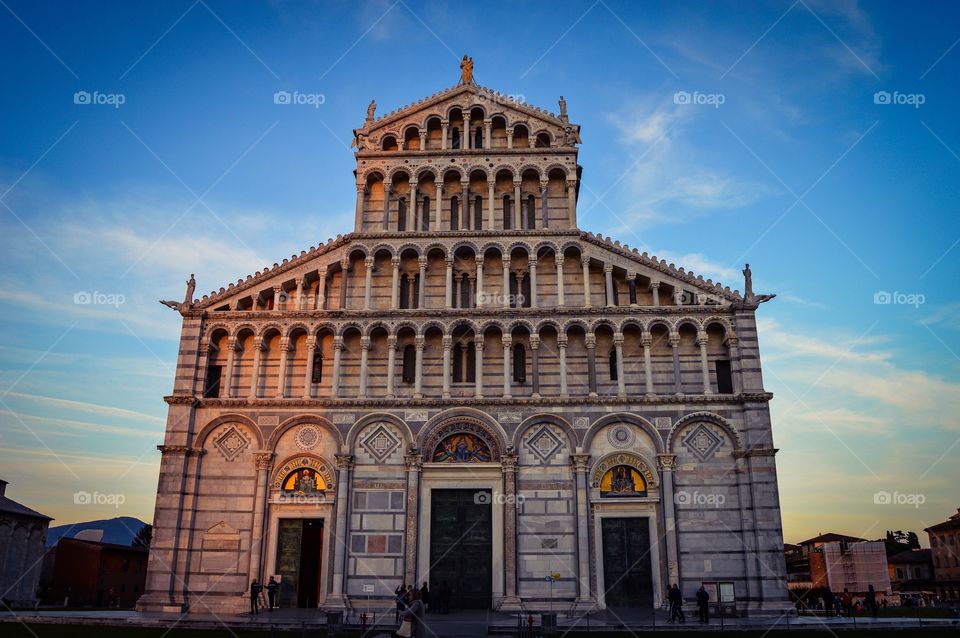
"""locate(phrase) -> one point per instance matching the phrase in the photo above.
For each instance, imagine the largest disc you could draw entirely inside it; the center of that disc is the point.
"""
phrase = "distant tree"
(912, 540)
(143, 537)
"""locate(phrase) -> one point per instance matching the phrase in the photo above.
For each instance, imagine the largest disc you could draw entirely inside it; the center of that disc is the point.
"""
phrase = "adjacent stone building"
(23, 537)
(945, 548)
(468, 390)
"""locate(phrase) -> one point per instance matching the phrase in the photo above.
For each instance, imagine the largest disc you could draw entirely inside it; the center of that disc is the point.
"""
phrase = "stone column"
(666, 463)
(533, 282)
(591, 342)
(608, 278)
(646, 341)
(505, 261)
(448, 288)
(344, 281)
(337, 347)
(487, 137)
(447, 345)
(535, 349)
(562, 346)
(423, 140)
(508, 462)
(704, 365)
(580, 462)
(736, 372)
(507, 344)
(227, 391)
(465, 205)
(308, 377)
(544, 201)
(358, 214)
(391, 364)
(472, 290)
(675, 345)
(387, 187)
(255, 375)
(395, 285)
(490, 212)
(478, 367)
(517, 212)
(480, 297)
(509, 138)
(277, 296)
(618, 347)
(419, 342)
(467, 142)
(301, 293)
(413, 462)
(632, 283)
(655, 288)
(572, 202)
(422, 288)
(585, 264)
(364, 354)
(263, 462)
(558, 260)
(444, 132)
(412, 209)
(282, 375)
(368, 281)
(344, 467)
(322, 290)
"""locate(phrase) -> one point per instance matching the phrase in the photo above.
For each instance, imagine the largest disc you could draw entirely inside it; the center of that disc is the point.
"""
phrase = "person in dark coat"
(872, 600)
(272, 587)
(255, 589)
(414, 613)
(703, 604)
(400, 594)
(676, 604)
(425, 597)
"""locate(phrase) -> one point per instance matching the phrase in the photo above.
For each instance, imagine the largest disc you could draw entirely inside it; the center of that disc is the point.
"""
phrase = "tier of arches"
(468, 275)
(464, 358)
(468, 128)
(473, 198)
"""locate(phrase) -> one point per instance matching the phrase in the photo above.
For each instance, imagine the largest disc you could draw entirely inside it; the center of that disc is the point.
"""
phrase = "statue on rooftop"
(563, 109)
(371, 109)
(466, 70)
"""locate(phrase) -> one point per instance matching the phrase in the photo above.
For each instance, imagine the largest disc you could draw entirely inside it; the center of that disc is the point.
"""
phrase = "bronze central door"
(461, 546)
(627, 575)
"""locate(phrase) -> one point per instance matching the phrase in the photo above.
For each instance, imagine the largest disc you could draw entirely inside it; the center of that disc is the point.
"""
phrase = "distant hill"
(120, 530)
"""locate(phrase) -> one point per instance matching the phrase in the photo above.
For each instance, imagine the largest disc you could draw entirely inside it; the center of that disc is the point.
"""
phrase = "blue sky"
(784, 158)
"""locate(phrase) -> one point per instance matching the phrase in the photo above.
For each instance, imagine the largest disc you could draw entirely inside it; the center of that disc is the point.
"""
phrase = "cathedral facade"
(469, 391)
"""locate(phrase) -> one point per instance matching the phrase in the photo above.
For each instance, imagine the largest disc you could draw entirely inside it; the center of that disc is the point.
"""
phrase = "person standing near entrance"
(255, 590)
(872, 601)
(676, 604)
(703, 605)
(400, 594)
(272, 587)
(414, 613)
(425, 597)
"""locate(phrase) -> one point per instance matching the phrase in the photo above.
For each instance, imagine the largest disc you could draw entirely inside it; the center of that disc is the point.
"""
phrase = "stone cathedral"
(470, 391)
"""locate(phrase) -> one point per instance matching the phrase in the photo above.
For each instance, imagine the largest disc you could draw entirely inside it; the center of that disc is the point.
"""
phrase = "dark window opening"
(454, 213)
(478, 138)
(211, 389)
(317, 375)
(507, 213)
(401, 214)
(724, 377)
(531, 212)
(612, 363)
(404, 291)
(519, 363)
(455, 138)
(409, 363)
(425, 215)
(478, 213)
(525, 291)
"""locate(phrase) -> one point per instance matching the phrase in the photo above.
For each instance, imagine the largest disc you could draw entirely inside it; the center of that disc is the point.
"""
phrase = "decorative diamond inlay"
(544, 444)
(621, 437)
(231, 443)
(702, 442)
(381, 443)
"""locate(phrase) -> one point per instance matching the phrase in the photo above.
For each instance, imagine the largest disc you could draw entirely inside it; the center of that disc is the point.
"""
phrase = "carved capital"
(654, 285)
(580, 462)
(558, 260)
(413, 461)
(702, 341)
(562, 341)
(392, 342)
(618, 339)
(422, 262)
(590, 341)
(646, 341)
(447, 342)
(368, 262)
(312, 341)
(731, 342)
(666, 461)
(395, 262)
(585, 260)
(508, 462)
(338, 343)
(344, 461)
(263, 460)
(365, 342)
(607, 268)
(534, 342)
(507, 341)
(420, 341)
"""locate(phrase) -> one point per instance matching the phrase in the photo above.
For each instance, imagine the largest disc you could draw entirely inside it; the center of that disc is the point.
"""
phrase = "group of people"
(256, 595)
(845, 604)
(438, 601)
(675, 599)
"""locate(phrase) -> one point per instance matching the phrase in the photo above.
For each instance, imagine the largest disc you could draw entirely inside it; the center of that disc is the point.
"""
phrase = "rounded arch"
(324, 327)
(398, 170)
(378, 417)
(349, 325)
(447, 422)
(688, 321)
(373, 325)
(709, 417)
(464, 243)
(411, 125)
(624, 417)
(546, 245)
(574, 244)
(283, 468)
(357, 248)
(529, 167)
(417, 248)
(428, 168)
(519, 323)
(663, 323)
(384, 246)
(601, 322)
(313, 419)
(457, 170)
(388, 142)
(632, 322)
(370, 173)
(478, 168)
(469, 323)
(241, 327)
(537, 419)
(544, 132)
(723, 322)
(431, 324)
(404, 325)
(557, 167)
(630, 458)
(496, 170)
(493, 323)
(551, 323)
(425, 122)
(522, 245)
(268, 328)
(429, 248)
(297, 325)
(494, 245)
(476, 106)
(229, 419)
(575, 323)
